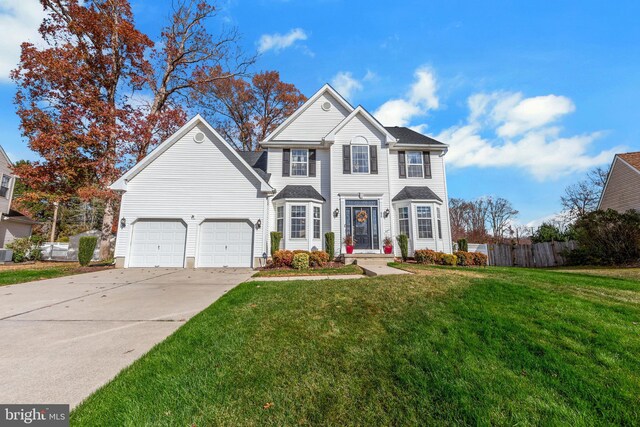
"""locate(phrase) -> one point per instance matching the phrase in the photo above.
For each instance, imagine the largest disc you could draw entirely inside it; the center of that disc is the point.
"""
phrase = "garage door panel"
(158, 243)
(225, 244)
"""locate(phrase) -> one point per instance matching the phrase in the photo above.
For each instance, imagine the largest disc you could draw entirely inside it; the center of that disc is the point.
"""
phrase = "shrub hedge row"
(285, 258)
(461, 258)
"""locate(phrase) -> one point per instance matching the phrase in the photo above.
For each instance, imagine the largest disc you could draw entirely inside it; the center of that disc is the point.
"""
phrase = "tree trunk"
(105, 234)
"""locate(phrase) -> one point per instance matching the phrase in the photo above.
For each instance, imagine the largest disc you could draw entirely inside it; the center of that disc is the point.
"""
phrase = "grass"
(490, 346)
(12, 274)
(347, 269)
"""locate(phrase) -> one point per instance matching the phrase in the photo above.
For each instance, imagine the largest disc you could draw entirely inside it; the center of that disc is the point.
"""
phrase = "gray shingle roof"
(416, 193)
(407, 136)
(299, 192)
(258, 161)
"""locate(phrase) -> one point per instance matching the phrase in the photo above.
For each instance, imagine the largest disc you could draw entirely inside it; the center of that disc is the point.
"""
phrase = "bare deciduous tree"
(500, 212)
(583, 196)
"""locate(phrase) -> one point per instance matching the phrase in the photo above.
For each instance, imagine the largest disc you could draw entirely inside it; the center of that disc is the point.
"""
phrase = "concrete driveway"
(62, 339)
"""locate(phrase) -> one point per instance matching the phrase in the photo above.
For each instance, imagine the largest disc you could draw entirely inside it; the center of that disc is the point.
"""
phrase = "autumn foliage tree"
(245, 111)
(76, 95)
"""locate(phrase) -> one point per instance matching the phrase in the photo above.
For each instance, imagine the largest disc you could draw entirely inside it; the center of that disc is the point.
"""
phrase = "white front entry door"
(158, 243)
(225, 244)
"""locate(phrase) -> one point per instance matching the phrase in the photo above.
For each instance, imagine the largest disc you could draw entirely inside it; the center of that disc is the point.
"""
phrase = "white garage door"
(158, 243)
(225, 244)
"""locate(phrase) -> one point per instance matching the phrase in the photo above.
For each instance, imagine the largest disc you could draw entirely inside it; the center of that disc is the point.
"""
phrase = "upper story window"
(360, 159)
(4, 187)
(299, 162)
(403, 220)
(425, 226)
(415, 167)
(298, 222)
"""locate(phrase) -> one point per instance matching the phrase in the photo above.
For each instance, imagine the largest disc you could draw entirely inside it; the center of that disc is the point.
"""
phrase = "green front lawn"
(11, 277)
(492, 346)
(327, 271)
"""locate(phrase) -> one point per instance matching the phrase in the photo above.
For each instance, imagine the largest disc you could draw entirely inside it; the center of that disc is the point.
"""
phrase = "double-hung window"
(403, 221)
(439, 223)
(280, 219)
(4, 188)
(316, 222)
(415, 167)
(425, 226)
(299, 162)
(359, 159)
(298, 222)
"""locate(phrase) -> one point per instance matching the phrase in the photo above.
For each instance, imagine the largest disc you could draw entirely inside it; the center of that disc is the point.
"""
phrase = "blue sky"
(529, 95)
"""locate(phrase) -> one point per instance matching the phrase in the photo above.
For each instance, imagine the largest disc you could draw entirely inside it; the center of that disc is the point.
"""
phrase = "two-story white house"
(13, 224)
(194, 201)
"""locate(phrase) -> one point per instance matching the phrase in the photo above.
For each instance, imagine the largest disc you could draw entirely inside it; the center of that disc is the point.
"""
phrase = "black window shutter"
(346, 159)
(402, 168)
(286, 156)
(373, 157)
(426, 160)
(312, 162)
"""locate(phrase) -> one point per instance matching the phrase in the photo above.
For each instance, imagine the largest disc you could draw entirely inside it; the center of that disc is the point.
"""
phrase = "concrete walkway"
(377, 268)
(64, 338)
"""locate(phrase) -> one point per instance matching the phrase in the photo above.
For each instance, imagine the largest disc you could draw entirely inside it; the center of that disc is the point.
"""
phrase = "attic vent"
(326, 106)
(198, 137)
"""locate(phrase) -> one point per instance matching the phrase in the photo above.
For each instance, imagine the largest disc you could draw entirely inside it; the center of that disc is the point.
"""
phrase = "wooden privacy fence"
(547, 254)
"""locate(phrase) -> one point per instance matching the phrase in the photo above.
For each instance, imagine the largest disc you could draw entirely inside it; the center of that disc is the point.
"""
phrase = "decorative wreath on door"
(361, 216)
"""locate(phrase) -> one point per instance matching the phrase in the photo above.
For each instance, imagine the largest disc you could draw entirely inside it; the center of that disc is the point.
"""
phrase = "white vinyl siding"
(425, 225)
(314, 123)
(298, 222)
(299, 162)
(360, 159)
(415, 167)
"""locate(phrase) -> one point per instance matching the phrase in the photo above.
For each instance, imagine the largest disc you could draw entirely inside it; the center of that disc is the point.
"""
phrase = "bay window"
(280, 219)
(298, 222)
(403, 221)
(316, 222)
(425, 226)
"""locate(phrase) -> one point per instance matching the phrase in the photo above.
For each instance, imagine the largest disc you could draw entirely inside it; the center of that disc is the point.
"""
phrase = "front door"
(362, 227)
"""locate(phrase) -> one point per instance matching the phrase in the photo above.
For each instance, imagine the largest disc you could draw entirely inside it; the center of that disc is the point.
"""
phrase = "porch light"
(336, 213)
(258, 224)
(386, 213)
(123, 223)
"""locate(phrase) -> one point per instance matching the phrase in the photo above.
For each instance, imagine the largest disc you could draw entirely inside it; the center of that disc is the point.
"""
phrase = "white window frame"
(400, 219)
(302, 218)
(439, 222)
(280, 216)
(8, 186)
(306, 163)
(317, 220)
(428, 218)
(407, 164)
(366, 147)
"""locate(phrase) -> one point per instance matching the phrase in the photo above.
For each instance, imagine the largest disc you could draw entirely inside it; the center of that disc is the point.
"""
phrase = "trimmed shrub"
(86, 247)
(425, 256)
(479, 259)
(330, 244)
(282, 258)
(300, 251)
(464, 258)
(403, 242)
(318, 258)
(26, 249)
(300, 261)
(276, 237)
(463, 245)
(447, 259)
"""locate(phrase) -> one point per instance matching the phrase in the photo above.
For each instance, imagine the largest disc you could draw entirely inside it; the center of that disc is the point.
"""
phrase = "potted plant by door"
(387, 244)
(348, 242)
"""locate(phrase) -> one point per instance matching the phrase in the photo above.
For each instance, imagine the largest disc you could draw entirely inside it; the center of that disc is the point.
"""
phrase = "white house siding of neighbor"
(13, 224)
(622, 189)
(195, 201)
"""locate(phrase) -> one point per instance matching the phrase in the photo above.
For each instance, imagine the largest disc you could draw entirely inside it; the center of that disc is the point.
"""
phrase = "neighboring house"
(13, 224)
(195, 201)
(622, 189)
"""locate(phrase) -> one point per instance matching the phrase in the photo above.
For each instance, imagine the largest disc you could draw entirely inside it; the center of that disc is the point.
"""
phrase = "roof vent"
(326, 105)
(198, 137)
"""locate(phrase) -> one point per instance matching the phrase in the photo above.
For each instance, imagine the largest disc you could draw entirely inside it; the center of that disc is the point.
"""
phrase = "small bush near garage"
(276, 237)
(425, 256)
(86, 247)
(282, 258)
(403, 242)
(26, 249)
(330, 244)
(300, 261)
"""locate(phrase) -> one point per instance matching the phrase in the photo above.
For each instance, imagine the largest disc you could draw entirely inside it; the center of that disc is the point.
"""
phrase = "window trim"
(291, 162)
(407, 219)
(439, 222)
(407, 164)
(8, 187)
(368, 172)
(429, 219)
(319, 220)
(280, 218)
(303, 218)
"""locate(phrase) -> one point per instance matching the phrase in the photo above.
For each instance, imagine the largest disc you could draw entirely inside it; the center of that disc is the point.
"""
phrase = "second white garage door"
(225, 244)
(158, 243)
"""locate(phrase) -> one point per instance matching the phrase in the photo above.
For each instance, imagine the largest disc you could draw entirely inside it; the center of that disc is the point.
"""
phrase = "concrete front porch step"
(372, 258)
(373, 268)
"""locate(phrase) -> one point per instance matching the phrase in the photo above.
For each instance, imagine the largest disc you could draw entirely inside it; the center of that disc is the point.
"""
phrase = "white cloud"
(278, 41)
(418, 101)
(346, 84)
(19, 21)
(507, 130)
